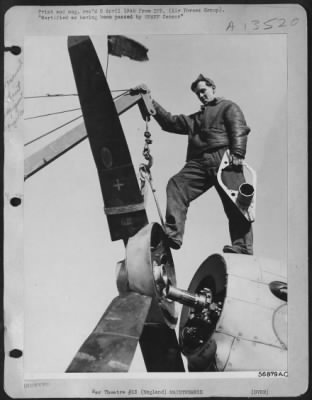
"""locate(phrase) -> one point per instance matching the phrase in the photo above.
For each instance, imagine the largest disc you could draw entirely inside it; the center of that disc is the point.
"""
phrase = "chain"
(146, 150)
(145, 169)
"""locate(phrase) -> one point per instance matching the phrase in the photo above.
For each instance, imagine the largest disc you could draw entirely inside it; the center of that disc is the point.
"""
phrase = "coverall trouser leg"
(183, 188)
(195, 178)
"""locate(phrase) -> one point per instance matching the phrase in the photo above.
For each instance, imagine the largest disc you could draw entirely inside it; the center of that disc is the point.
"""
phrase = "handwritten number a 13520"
(271, 23)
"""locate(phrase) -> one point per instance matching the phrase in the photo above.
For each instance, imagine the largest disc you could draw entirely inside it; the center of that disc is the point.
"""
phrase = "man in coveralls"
(218, 126)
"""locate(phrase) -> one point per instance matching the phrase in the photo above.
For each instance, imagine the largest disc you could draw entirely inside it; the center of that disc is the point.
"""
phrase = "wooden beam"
(54, 150)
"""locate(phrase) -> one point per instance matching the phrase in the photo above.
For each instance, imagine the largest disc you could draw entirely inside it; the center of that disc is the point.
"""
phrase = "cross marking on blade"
(118, 185)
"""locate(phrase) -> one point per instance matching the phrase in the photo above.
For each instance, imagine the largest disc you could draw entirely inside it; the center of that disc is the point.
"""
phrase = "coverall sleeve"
(237, 129)
(181, 124)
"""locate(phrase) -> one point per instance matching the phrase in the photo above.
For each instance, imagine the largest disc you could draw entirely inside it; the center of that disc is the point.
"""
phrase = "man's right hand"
(142, 88)
(236, 160)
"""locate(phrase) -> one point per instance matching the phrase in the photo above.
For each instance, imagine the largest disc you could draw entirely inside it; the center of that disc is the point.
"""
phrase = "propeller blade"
(160, 349)
(123, 201)
(112, 344)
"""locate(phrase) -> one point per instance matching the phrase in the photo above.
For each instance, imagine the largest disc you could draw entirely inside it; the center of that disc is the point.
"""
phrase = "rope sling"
(145, 170)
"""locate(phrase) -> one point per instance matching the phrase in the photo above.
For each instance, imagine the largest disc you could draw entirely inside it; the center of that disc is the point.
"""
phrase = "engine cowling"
(244, 327)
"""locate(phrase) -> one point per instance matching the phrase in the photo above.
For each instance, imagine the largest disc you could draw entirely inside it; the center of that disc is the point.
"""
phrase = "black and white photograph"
(156, 201)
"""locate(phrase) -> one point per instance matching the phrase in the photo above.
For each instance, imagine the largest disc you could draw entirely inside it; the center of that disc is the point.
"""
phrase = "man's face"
(204, 92)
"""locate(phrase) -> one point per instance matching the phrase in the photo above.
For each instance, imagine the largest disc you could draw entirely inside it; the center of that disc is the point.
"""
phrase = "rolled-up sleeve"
(181, 124)
(237, 129)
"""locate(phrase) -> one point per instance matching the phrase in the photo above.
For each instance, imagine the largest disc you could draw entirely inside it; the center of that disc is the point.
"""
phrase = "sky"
(69, 257)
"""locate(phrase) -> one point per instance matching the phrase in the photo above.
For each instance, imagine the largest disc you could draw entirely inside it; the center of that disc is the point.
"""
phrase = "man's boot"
(242, 245)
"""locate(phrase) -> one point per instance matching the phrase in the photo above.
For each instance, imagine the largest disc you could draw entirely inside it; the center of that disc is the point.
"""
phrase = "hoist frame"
(70, 139)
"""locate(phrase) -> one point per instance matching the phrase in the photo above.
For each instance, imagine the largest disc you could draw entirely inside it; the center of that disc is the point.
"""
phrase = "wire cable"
(107, 61)
(53, 130)
(53, 113)
(48, 95)
(60, 112)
